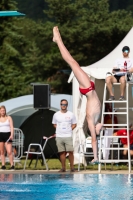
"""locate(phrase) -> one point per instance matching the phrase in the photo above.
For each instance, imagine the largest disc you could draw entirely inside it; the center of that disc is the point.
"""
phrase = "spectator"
(64, 121)
(6, 137)
(122, 66)
(124, 140)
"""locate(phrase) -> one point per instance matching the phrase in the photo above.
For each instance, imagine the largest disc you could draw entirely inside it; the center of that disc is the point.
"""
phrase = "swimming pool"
(66, 186)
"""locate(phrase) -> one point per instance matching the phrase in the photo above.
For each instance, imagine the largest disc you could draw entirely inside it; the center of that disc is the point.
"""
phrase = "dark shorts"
(131, 146)
(117, 78)
(4, 136)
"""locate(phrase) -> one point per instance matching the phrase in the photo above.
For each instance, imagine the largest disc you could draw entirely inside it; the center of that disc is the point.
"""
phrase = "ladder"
(124, 111)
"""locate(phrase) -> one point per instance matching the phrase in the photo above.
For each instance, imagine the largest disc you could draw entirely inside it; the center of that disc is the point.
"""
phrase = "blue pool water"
(66, 186)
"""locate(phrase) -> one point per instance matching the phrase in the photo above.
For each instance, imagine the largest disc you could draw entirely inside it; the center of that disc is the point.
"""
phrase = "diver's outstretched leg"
(82, 77)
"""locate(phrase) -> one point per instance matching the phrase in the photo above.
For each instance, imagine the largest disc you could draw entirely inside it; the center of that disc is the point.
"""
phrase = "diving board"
(10, 13)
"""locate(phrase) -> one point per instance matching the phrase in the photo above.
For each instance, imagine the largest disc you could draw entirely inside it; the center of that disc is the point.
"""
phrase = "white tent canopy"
(97, 73)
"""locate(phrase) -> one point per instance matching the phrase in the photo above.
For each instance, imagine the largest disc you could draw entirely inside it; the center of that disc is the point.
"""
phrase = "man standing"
(122, 66)
(64, 121)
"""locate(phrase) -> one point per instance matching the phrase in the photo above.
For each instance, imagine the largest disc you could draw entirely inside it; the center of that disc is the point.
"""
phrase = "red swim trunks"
(84, 91)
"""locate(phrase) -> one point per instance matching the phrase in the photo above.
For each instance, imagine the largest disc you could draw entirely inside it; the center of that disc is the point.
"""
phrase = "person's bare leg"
(125, 150)
(63, 159)
(131, 152)
(82, 77)
(71, 159)
(9, 152)
(2, 153)
(109, 82)
(122, 85)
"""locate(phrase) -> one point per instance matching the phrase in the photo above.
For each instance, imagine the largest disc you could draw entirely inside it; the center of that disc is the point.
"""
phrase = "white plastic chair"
(40, 150)
(85, 150)
(109, 154)
(116, 142)
(18, 142)
(109, 143)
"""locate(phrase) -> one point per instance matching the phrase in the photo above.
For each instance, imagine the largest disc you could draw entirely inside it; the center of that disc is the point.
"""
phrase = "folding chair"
(18, 143)
(116, 153)
(17, 146)
(109, 143)
(39, 151)
(110, 154)
(85, 150)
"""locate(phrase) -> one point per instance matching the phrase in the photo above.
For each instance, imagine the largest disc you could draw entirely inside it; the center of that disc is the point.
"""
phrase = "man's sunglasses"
(63, 104)
(125, 51)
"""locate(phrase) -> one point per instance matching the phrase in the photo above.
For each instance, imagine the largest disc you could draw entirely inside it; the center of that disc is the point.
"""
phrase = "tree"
(33, 9)
(13, 80)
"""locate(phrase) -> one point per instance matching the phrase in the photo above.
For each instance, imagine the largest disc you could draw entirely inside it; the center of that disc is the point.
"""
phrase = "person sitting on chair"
(123, 132)
(121, 67)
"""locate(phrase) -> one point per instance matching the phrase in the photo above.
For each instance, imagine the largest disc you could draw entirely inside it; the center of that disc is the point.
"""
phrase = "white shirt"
(5, 126)
(119, 63)
(64, 122)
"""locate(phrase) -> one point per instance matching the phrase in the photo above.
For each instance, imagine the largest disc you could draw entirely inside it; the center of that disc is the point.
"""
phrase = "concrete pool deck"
(67, 172)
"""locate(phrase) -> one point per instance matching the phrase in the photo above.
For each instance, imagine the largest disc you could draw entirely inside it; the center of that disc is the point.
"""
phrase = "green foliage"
(59, 83)
(33, 8)
(119, 4)
(13, 80)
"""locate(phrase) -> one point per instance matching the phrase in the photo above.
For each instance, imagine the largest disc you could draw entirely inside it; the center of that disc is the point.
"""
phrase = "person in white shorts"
(64, 121)
(121, 67)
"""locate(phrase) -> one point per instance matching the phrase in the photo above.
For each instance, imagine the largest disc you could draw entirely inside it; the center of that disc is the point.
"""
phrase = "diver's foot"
(94, 162)
(56, 34)
(98, 128)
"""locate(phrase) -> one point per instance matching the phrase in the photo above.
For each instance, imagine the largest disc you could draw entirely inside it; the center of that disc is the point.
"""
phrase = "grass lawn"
(54, 164)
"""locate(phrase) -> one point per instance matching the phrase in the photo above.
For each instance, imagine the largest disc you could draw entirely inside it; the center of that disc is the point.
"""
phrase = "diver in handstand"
(87, 88)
